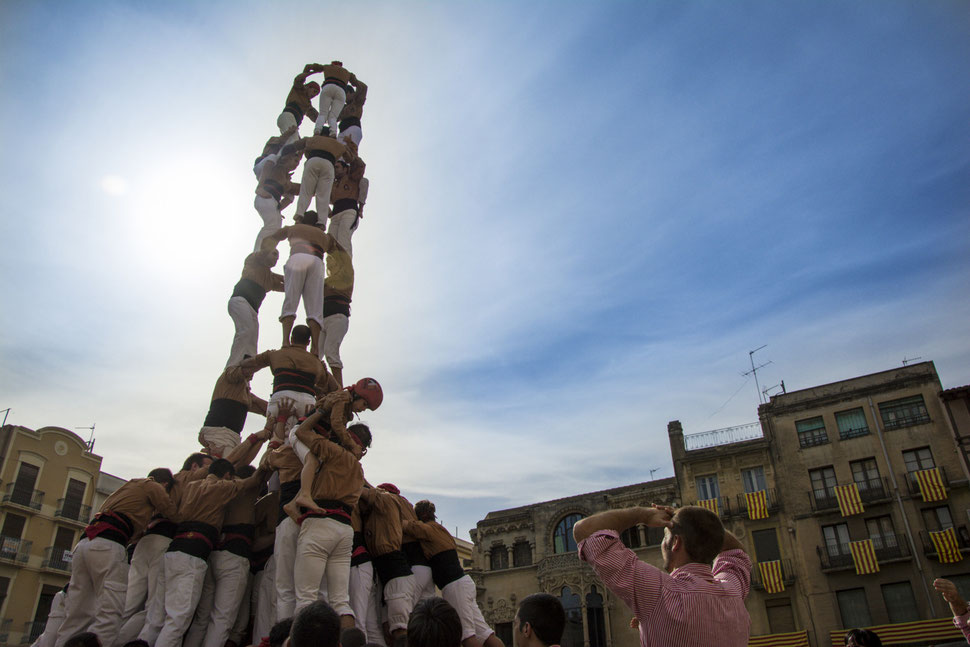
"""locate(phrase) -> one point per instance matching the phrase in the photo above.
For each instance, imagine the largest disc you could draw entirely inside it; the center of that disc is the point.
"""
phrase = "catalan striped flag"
(757, 504)
(849, 501)
(906, 633)
(795, 639)
(947, 548)
(864, 556)
(710, 504)
(771, 576)
(931, 484)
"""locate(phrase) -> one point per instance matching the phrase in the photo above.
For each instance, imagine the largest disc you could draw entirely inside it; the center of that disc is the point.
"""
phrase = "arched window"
(631, 537)
(594, 618)
(521, 553)
(499, 558)
(572, 635)
(563, 541)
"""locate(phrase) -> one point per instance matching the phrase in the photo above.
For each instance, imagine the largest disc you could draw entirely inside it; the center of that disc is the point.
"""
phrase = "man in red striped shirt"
(689, 605)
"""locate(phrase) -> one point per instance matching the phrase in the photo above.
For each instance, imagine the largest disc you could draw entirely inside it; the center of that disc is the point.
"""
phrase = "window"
(504, 631)
(938, 518)
(572, 636)
(521, 554)
(864, 471)
(766, 545)
(962, 583)
(23, 487)
(563, 541)
(904, 412)
(631, 537)
(754, 479)
(881, 532)
(854, 608)
(60, 555)
(811, 431)
(823, 486)
(13, 526)
(4, 585)
(707, 487)
(900, 602)
(836, 539)
(918, 459)
(655, 536)
(499, 558)
(73, 499)
(44, 602)
(852, 423)
(594, 618)
(780, 617)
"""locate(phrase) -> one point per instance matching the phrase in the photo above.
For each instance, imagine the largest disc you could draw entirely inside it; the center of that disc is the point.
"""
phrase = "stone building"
(778, 485)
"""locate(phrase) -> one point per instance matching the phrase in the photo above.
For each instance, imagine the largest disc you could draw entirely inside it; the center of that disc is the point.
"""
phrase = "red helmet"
(370, 390)
(389, 487)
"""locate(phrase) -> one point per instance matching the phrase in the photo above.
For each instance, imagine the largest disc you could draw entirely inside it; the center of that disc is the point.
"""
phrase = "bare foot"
(301, 500)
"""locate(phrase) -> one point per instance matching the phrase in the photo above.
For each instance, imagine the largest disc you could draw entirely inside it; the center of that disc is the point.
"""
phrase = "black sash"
(291, 379)
(348, 122)
(294, 109)
(237, 539)
(227, 413)
(115, 526)
(288, 490)
(412, 550)
(251, 291)
(194, 538)
(391, 566)
(327, 155)
(446, 568)
(335, 304)
(359, 554)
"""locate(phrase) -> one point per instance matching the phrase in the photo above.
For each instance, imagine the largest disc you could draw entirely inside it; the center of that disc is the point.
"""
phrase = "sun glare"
(114, 185)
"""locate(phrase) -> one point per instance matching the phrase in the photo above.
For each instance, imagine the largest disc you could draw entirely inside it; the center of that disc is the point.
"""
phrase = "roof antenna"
(90, 443)
(906, 360)
(754, 371)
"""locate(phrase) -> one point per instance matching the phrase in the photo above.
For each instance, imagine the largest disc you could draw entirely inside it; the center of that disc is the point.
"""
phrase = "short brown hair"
(701, 532)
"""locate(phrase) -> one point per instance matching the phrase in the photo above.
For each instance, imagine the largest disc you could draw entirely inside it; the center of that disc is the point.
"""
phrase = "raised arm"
(258, 405)
(245, 452)
(417, 529)
(277, 282)
(160, 499)
(620, 520)
(258, 362)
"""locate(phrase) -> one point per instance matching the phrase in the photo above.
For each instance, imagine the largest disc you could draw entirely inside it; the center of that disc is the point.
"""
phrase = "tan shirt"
(291, 357)
(273, 177)
(340, 274)
(139, 499)
(336, 72)
(285, 461)
(231, 385)
(205, 500)
(242, 509)
(407, 514)
(434, 537)
(262, 275)
(355, 104)
(183, 478)
(348, 186)
(382, 522)
(324, 143)
(340, 477)
(299, 96)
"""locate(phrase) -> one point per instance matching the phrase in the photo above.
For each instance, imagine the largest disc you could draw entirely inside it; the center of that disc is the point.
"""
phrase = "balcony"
(723, 507)
(57, 559)
(32, 631)
(912, 485)
(73, 510)
(823, 499)
(845, 434)
(14, 549)
(5, 629)
(930, 550)
(888, 548)
(770, 498)
(835, 558)
(874, 490)
(910, 419)
(787, 575)
(24, 497)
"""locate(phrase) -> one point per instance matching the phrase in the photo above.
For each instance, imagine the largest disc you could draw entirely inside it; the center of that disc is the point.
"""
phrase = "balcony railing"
(912, 419)
(930, 549)
(912, 485)
(14, 549)
(5, 629)
(835, 556)
(724, 509)
(787, 575)
(74, 510)
(770, 498)
(823, 499)
(725, 436)
(874, 490)
(889, 547)
(26, 497)
(845, 434)
(32, 631)
(58, 559)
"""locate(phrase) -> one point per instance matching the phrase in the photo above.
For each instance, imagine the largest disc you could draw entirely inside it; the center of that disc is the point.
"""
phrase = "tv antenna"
(90, 442)
(6, 412)
(907, 360)
(768, 388)
(754, 371)
(656, 469)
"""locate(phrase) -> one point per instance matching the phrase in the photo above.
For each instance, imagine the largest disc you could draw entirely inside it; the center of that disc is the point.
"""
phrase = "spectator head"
(352, 637)
(539, 622)
(862, 638)
(86, 639)
(434, 623)
(424, 510)
(162, 475)
(316, 625)
(280, 632)
(195, 461)
(222, 468)
(300, 335)
(696, 536)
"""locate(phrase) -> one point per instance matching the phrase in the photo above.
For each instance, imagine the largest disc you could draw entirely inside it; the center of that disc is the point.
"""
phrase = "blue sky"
(582, 218)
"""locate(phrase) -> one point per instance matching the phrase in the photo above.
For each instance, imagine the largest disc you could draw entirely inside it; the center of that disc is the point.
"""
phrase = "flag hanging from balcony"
(931, 484)
(947, 547)
(864, 556)
(710, 504)
(771, 576)
(757, 504)
(794, 639)
(849, 501)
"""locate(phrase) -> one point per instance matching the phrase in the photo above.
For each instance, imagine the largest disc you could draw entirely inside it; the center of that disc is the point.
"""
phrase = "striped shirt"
(963, 624)
(694, 606)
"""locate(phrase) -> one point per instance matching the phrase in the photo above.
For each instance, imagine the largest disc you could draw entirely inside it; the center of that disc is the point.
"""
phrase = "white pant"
(303, 276)
(269, 210)
(246, 322)
(223, 589)
(332, 100)
(96, 597)
(219, 440)
(331, 336)
(284, 550)
(287, 120)
(323, 549)
(184, 576)
(264, 599)
(423, 583)
(246, 607)
(461, 595)
(317, 182)
(399, 596)
(362, 593)
(146, 571)
(303, 404)
(342, 227)
(355, 134)
(54, 621)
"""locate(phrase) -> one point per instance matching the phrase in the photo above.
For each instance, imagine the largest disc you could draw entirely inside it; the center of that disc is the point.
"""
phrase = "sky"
(582, 217)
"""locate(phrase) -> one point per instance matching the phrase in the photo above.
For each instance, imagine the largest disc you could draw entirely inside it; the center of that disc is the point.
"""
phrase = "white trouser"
(303, 403)
(264, 599)
(285, 552)
(303, 276)
(246, 322)
(219, 440)
(342, 227)
(246, 607)
(222, 592)
(374, 628)
(331, 336)
(461, 595)
(149, 554)
(96, 597)
(283, 122)
(423, 582)
(317, 182)
(323, 549)
(332, 100)
(269, 210)
(54, 621)
(355, 134)
(399, 596)
(184, 576)
(361, 593)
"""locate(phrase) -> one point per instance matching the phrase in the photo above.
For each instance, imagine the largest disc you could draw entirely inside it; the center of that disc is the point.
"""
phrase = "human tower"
(220, 551)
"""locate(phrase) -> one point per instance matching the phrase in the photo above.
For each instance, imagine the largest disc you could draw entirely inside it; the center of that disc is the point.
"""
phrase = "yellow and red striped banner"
(757, 504)
(849, 501)
(864, 556)
(710, 504)
(931, 484)
(907, 632)
(947, 547)
(795, 639)
(771, 576)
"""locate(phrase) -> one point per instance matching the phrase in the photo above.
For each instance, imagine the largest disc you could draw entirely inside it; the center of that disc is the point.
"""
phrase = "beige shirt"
(260, 274)
(205, 500)
(340, 274)
(291, 357)
(355, 104)
(340, 477)
(299, 96)
(285, 461)
(434, 537)
(274, 178)
(231, 385)
(242, 509)
(348, 186)
(382, 522)
(324, 143)
(139, 499)
(339, 72)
